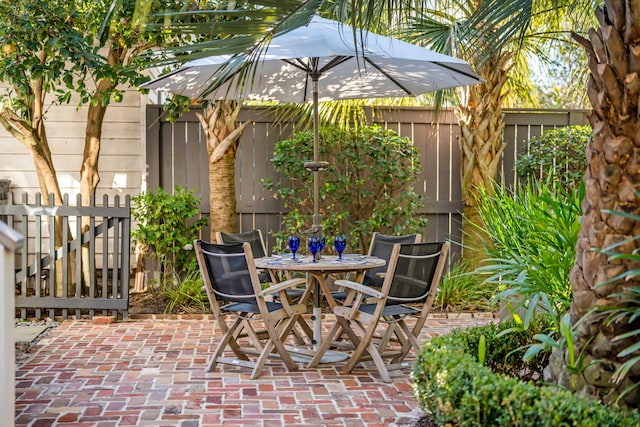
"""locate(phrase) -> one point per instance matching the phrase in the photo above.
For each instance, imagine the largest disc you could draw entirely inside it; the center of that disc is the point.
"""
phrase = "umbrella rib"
(335, 61)
(298, 63)
(384, 73)
(471, 76)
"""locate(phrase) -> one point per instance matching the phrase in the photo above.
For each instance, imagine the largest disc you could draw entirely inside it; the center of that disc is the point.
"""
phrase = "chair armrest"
(287, 284)
(358, 287)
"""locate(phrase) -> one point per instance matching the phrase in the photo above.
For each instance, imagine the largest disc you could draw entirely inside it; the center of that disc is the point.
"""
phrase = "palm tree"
(611, 185)
(459, 28)
(213, 28)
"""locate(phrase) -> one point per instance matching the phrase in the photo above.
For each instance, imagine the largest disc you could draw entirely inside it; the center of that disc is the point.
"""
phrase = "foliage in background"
(167, 226)
(456, 389)
(461, 289)
(557, 155)
(368, 186)
(531, 236)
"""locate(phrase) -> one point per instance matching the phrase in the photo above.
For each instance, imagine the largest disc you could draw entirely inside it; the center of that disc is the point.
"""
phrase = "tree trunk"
(89, 176)
(611, 181)
(34, 138)
(481, 123)
(222, 135)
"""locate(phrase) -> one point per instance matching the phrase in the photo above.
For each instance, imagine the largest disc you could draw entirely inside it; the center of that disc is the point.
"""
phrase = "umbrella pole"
(317, 221)
(316, 165)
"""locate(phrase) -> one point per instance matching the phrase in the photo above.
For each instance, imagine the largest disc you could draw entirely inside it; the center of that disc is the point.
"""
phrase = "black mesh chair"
(234, 291)
(376, 320)
(254, 238)
(259, 249)
(380, 246)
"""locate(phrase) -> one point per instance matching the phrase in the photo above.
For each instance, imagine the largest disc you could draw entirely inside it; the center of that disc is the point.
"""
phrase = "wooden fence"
(176, 155)
(42, 267)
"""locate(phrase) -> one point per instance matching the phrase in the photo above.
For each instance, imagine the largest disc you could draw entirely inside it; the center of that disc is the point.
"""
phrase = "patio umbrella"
(321, 61)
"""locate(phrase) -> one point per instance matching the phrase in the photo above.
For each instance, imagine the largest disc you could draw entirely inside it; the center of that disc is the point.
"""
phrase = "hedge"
(455, 388)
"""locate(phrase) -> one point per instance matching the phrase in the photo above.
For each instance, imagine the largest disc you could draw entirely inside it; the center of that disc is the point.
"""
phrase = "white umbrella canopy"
(369, 66)
(321, 61)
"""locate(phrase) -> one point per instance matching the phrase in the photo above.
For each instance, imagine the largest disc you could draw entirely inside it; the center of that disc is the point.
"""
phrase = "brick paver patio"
(152, 372)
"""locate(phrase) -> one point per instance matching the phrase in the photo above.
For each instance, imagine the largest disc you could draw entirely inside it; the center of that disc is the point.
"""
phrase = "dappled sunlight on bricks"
(153, 372)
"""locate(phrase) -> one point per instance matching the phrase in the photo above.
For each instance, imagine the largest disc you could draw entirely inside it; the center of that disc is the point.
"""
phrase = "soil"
(146, 303)
(425, 421)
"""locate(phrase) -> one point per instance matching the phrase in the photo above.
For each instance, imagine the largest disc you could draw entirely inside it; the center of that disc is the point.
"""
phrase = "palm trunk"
(481, 123)
(222, 134)
(611, 182)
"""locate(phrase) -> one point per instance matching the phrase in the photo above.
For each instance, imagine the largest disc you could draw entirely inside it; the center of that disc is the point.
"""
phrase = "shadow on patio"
(152, 372)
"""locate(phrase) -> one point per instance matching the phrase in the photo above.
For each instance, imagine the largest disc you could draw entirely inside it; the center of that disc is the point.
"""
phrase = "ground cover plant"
(464, 290)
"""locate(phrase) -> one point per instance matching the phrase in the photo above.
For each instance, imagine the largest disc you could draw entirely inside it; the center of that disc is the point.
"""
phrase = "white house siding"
(122, 155)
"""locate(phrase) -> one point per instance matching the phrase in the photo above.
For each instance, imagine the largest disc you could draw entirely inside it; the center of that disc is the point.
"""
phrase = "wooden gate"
(42, 268)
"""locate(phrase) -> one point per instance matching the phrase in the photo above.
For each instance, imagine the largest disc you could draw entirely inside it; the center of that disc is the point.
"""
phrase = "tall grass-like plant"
(531, 234)
(188, 295)
(462, 289)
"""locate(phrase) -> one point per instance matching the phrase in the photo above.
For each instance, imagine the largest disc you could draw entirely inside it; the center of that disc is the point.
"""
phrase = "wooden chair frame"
(362, 326)
(295, 294)
(250, 346)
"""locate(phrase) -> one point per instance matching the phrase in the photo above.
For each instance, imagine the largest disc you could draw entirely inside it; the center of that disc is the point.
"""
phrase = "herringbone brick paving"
(152, 372)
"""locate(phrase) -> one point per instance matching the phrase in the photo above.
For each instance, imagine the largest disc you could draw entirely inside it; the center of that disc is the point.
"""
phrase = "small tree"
(367, 187)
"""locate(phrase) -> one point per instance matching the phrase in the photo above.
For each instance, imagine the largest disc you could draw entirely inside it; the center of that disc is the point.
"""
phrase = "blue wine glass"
(294, 245)
(314, 246)
(340, 243)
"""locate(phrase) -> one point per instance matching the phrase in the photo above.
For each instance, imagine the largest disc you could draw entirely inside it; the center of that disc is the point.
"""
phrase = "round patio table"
(317, 274)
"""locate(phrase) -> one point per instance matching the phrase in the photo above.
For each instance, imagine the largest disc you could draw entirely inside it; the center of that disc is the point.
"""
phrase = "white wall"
(122, 155)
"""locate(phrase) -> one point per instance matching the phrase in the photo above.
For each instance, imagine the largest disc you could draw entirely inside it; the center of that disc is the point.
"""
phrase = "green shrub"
(167, 226)
(455, 388)
(558, 155)
(367, 187)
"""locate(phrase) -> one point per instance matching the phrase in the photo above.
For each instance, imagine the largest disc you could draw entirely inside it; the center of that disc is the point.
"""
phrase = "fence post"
(10, 241)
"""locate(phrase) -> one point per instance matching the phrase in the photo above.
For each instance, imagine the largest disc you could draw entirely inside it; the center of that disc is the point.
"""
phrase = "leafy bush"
(557, 155)
(167, 226)
(461, 289)
(367, 187)
(456, 388)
